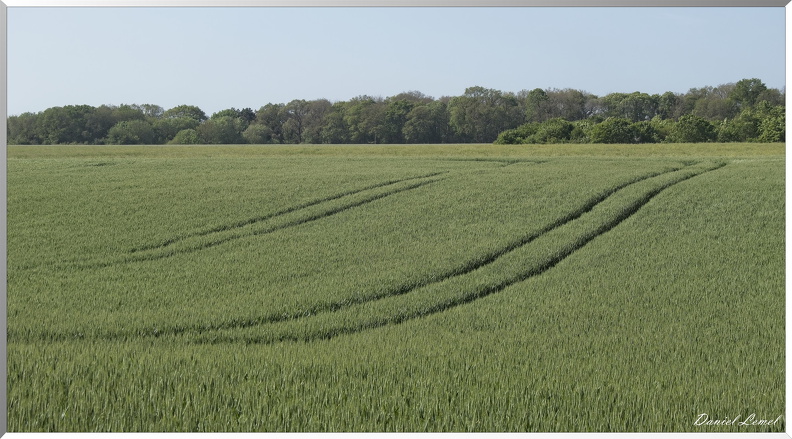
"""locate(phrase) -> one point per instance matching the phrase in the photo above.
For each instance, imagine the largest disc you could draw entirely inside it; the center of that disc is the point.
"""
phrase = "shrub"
(258, 134)
(132, 132)
(612, 130)
(693, 129)
(773, 127)
(555, 130)
(517, 135)
(186, 137)
(644, 132)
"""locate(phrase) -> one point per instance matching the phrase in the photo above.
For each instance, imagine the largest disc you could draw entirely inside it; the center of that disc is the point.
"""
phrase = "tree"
(669, 105)
(742, 111)
(223, 130)
(126, 112)
(481, 113)
(364, 118)
(746, 92)
(396, 116)
(314, 120)
(662, 127)
(372, 122)
(168, 128)
(581, 133)
(190, 111)
(772, 125)
(99, 122)
(537, 105)
(612, 130)
(644, 132)
(427, 124)
(414, 96)
(22, 129)
(772, 96)
(186, 137)
(515, 136)
(247, 114)
(296, 112)
(150, 110)
(730, 130)
(334, 128)
(693, 129)
(258, 134)
(714, 107)
(132, 132)
(229, 112)
(556, 130)
(634, 106)
(65, 125)
(568, 104)
(273, 116)
(773, 128)
(743, 128)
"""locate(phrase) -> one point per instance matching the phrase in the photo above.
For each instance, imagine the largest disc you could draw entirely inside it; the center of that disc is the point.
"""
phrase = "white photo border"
(5, 4)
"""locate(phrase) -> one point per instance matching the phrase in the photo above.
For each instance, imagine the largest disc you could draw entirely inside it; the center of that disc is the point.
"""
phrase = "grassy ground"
(395, 288)
(432, 151)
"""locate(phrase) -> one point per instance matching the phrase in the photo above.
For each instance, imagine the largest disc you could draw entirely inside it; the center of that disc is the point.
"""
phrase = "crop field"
(396, 288)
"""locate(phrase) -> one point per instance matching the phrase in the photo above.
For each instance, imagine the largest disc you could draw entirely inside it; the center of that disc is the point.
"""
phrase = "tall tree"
(222, 130)
(23, 130)
(427, 124)
(363, 116)
(150, 110)
(258, 134)
(168, 127)
(99, 122)
(132, 132)
(568, 104)
(481, 113)
(634, 106)
(68, 124)
(537, 105)
(746, 92)
(126, 112)
(334, 128)
(669, 105)
(296, 112)
(693, 129)
(272, 116)
(396, 114)
(612, 130)
(190, 111)
(314, 120)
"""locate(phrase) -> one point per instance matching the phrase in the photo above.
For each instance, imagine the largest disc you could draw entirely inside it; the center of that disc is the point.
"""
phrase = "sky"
(219, 58)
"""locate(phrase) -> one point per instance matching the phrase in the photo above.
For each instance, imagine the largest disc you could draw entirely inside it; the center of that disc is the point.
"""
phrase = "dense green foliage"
(745, 111)
(395, 288)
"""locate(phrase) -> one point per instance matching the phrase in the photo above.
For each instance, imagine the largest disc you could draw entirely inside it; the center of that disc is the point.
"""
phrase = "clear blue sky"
(219, 58)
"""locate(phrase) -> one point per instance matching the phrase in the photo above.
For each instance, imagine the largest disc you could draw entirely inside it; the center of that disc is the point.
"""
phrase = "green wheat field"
(395, 288)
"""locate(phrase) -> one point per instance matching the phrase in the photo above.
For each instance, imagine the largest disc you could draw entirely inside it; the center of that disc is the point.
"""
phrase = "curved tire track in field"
(237, 232)
(281, 212)
(463, 269)
(140, 253)
(548, 263)
(504, 162)
(201, 331)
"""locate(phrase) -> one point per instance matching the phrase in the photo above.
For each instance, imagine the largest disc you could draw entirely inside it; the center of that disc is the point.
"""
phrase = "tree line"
(736, 112)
